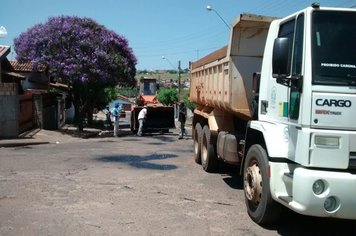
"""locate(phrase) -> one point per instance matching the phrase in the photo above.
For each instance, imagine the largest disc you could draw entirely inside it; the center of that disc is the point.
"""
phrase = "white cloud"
(3, 31)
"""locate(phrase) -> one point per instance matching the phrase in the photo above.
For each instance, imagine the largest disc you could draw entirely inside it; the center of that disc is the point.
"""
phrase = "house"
(14, 105)
(68, 104)
(25, 99)
(48, 109)
(124, 101)
(35, 79)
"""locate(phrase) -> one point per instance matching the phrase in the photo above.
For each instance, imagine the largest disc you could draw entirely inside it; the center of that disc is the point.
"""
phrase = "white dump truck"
(280, 101)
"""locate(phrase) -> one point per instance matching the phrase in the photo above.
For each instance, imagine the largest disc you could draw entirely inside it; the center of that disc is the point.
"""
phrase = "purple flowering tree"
(82, 54)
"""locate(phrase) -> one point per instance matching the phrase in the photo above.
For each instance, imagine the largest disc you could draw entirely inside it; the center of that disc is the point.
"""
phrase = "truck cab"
(299, 149)
(306, 111)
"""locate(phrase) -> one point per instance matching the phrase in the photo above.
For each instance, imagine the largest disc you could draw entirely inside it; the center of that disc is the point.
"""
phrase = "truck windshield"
(334, 47)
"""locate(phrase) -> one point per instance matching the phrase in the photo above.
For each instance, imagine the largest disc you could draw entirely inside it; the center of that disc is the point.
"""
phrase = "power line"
(180, 52)
(181, 39)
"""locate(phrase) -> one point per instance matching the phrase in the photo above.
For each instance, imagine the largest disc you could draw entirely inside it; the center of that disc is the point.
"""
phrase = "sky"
(160, 32)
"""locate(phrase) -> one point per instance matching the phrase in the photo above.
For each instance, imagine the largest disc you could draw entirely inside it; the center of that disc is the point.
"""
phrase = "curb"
(20, 144)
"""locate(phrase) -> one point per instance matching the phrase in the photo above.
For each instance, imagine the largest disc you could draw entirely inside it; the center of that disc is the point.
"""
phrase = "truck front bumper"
(324, 193)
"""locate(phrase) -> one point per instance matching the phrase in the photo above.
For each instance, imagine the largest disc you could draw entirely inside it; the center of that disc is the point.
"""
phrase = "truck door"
(297, 74)
(294, 31)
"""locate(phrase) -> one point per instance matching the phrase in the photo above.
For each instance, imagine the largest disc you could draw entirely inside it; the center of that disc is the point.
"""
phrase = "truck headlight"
(331, 204)
(318, 187)
(327, 141)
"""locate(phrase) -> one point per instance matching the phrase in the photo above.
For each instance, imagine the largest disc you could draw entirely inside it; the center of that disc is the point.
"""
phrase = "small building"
(14, 106)
(48, 107)
(124, 101)
(36, 78)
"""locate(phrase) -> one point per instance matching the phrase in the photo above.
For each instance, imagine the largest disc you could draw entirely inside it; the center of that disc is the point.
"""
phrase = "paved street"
(129, 186)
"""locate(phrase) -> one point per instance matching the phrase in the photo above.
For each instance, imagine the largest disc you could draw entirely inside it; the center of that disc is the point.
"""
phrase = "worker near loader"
(182, 117)
(141, 119)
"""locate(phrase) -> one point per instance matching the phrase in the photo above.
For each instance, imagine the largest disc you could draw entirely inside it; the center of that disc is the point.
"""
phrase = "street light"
(165, 58)
(217, 13)
(179, 87)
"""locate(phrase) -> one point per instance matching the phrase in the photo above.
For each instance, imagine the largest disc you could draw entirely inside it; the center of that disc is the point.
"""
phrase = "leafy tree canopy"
(78, 50)
(167, 96)
(81, 53)
(188, 103)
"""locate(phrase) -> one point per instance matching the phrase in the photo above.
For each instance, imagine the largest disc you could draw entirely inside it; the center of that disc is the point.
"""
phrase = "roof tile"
(26, 66)
(4, 50)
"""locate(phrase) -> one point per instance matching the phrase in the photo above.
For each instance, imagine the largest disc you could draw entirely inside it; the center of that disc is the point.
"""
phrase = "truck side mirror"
(280, 60)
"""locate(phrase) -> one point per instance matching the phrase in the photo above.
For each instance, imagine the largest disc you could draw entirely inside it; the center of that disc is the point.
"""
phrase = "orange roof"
(123, 98)
(27, 66)
(4, 50)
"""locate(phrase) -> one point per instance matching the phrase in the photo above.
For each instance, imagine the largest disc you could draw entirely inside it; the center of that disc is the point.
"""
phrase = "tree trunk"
(90, 116)
(78, 114)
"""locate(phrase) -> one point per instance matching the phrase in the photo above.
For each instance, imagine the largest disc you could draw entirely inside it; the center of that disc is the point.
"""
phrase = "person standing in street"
(108, 118)
(141, 119)
(116, 114)
(182, 117)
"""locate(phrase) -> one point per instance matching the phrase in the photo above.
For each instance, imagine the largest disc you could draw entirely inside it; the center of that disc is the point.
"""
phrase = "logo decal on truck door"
(333, 102)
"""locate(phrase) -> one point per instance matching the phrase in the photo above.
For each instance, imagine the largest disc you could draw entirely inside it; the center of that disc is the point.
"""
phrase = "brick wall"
(9, 110)
(8, 89)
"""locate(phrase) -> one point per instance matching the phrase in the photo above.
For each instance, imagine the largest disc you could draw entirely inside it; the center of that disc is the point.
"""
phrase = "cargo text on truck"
(278, 101)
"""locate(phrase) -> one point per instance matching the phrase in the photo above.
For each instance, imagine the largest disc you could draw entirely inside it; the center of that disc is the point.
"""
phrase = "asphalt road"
(130, 186)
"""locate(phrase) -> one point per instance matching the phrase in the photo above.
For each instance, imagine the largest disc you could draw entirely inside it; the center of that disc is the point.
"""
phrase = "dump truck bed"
(223, 79)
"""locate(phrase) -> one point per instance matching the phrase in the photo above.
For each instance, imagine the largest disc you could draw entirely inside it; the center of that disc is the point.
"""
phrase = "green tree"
(188, 103)
(168, 96)
(82, 54)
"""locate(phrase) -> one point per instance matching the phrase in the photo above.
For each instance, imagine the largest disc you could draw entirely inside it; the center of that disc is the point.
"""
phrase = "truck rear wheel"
(260, 206)
(197, 136)
(208, 155)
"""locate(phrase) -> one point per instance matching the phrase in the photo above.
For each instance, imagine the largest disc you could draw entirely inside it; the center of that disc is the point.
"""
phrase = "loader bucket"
(159, 118)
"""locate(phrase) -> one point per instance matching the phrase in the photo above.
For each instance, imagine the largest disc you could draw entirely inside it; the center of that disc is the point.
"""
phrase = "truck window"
(333, 48)
(286, 30)
(298, 47)
(294, 31)
(297, 62)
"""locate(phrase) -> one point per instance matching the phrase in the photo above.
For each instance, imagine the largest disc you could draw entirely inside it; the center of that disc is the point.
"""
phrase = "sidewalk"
(67, 133)
(40, 136)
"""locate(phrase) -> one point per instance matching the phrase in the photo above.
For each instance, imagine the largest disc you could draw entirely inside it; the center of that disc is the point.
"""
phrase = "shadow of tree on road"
(141, 162)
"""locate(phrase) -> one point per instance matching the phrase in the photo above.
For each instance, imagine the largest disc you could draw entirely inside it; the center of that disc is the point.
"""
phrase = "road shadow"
(231, 176)
(291, 223)
(165, 138)
(29, 133)
(141, 162)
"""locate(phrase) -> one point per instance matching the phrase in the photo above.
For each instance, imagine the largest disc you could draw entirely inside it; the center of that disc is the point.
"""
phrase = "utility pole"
(179, 75)
(179, 85)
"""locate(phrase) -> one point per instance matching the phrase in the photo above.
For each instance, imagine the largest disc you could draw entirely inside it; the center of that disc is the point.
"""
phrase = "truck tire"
(260, 206)
(197, 136)
(209, 159)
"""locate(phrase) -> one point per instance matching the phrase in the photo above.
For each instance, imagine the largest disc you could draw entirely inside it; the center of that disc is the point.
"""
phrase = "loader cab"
(148, 86)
